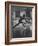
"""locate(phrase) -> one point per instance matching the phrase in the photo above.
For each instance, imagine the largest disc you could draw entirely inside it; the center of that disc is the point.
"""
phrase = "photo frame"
(20, 22)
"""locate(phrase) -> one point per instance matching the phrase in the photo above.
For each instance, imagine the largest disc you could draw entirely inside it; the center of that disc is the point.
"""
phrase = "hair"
(23, 15)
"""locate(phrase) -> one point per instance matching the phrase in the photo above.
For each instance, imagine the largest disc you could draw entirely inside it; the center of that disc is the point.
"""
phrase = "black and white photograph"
(21, 21)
